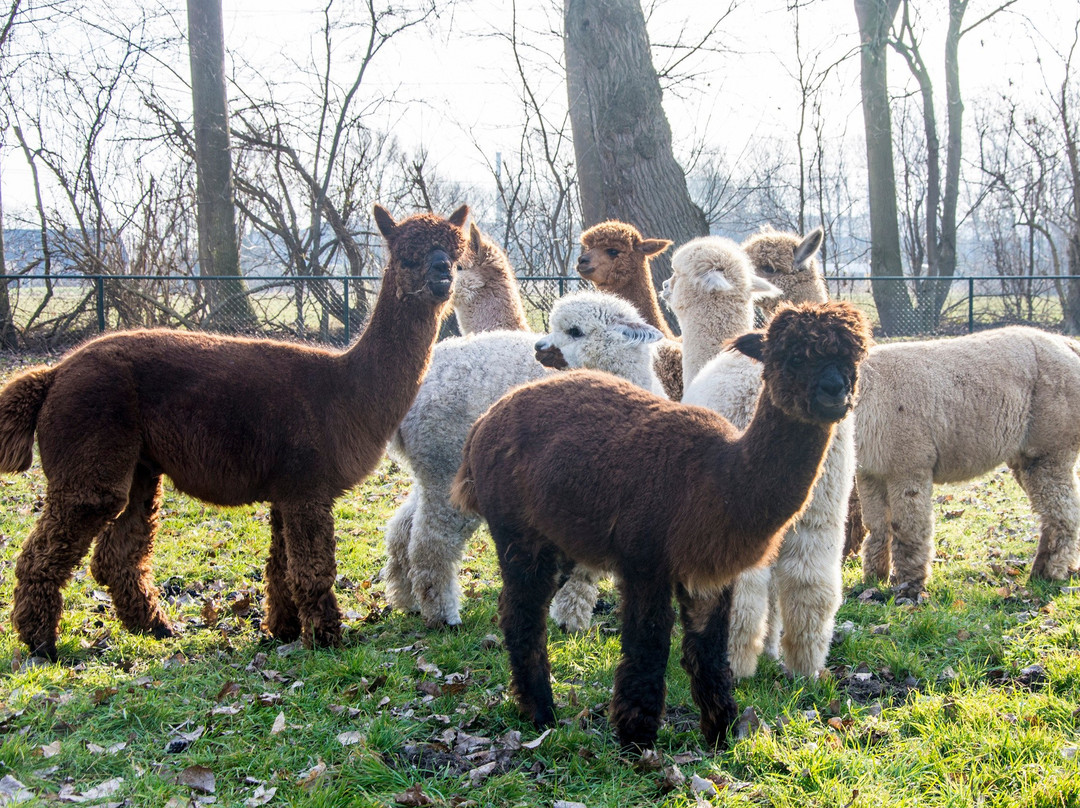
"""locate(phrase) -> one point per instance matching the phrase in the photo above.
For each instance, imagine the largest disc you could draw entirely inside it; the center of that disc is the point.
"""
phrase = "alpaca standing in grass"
(802, 591)
(426, 537)
(486, 293)
(950, 410)
(616, 260)
(230, 421)
(669, 497)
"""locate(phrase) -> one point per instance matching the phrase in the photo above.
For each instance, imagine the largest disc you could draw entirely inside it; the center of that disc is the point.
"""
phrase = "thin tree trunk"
(894, 307)
(622, 140)
(219, 253)
(8, 337)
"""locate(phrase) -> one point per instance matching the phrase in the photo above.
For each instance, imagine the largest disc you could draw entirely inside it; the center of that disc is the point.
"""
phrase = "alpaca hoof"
(544, 717)
(328, 637)
(46, 650)
(162, 631)
(451, 622)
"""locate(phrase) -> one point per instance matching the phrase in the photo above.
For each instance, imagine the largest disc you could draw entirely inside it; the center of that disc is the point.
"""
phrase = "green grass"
(930, 705)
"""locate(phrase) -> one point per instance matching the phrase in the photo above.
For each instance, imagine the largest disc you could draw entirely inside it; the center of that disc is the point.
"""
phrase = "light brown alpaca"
(616, 260)
(689, 503)
(790, 262)
(486, 294)
(230, 421)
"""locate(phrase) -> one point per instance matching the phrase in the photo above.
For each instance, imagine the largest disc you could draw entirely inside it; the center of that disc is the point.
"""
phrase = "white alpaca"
(952, 409)
(425, 538)
(802, 590)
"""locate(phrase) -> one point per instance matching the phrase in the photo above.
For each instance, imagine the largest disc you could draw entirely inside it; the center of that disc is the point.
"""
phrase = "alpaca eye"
(796, 361)
(574, 332)
(768, 269)
(613, 253)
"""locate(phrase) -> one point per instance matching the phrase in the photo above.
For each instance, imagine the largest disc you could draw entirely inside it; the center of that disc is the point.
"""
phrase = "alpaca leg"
(877, 547)
(774, 626)
(439, 533)
(396, 572)
(1052, 488)
(749, 620)
(705, 641)
(528, 584)
(59, 540)
(856, 528)
(282, 618)
(309, 546)
(809, 588)
(913, 531)
(121, 560)
(637, 701)
(572, 606)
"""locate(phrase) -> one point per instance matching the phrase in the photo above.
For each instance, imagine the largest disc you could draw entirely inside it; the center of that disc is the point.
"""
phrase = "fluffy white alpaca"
(425, 538)
(801, 591)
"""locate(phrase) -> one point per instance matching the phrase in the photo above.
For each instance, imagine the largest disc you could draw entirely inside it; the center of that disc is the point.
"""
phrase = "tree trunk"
(8, 337)
(219, 253)
(894, 307)
(622, 140)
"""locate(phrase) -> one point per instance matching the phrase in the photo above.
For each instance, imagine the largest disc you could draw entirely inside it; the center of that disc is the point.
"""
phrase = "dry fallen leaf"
(279, 724)
(537, 741)
(413, 796)
(50, 749)
(312, 777)
(350, 738)
(261, 796)
(12, 791)
(199, 778)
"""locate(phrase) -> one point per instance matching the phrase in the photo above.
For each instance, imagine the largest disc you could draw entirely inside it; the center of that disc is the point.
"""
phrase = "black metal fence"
(54, 312)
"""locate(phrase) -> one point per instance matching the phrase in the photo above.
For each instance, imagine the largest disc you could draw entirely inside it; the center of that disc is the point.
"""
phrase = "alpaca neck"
(707, 328)
(636, 366)
(494, 306)
(386, 365)
(639, 291)
(768, 475)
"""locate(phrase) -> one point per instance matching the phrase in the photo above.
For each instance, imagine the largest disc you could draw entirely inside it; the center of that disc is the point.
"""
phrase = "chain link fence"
(54, 313)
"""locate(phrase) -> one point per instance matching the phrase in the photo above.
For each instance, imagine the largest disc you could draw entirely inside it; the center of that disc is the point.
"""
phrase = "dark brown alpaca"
(616, 260)
(688, 503)
(230, 421)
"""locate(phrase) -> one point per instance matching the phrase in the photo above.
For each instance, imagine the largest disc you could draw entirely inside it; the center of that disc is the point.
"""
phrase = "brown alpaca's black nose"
(584, 266)
(439, 275)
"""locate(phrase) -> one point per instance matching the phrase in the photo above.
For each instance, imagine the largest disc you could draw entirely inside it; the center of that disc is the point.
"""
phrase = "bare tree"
(622, 140)
(893, 304)
(219, 253)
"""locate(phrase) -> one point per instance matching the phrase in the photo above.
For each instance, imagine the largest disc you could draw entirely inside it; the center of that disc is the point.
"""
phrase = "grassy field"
(969, 699)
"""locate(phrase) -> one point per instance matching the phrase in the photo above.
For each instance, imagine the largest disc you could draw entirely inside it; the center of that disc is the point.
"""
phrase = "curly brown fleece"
(230, 421)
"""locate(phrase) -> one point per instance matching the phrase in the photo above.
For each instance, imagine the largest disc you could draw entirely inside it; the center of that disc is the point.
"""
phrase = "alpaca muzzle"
(549, 355)
(439, 276)
(832, 398)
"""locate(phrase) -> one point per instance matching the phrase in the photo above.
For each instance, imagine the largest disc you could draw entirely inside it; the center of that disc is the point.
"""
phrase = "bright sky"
(457, 85)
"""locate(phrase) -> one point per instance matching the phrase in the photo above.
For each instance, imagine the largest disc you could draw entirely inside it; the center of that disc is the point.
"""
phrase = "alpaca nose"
(439, 265)
(832, 384)
(584, 266)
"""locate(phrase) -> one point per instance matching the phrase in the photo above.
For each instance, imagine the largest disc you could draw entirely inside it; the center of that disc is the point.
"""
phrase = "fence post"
(345, 319)
(971, 305)
(99, 282)
(562, 285)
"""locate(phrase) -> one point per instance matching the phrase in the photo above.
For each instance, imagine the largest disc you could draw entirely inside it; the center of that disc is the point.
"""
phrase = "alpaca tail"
(20, 403)
(463, 489)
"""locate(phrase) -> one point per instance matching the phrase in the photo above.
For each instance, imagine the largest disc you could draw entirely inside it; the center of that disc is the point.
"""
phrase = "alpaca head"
(789, 261)
(709, 268)
(810, 354)
(615, 254)
(482, 263)
(423, 251)
(595, 330)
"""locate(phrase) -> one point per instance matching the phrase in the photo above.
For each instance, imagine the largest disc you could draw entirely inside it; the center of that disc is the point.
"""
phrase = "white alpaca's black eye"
(574, 332)
(613, 253)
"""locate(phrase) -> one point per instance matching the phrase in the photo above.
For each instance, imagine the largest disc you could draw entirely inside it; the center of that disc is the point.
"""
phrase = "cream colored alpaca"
(801, 591)
(486, 293)
(952, 409)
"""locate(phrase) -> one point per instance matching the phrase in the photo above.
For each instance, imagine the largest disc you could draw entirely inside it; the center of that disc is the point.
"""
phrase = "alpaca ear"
(752, 345)
(458, 217)
(808, 247)
(474, 237)
(761, 288)
(637, 333)
(385, 221)
(652, 246)
(714, 281)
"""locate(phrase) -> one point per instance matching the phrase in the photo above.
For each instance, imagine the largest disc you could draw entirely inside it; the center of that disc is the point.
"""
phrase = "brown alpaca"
(688, 504)
(616, 260)
(486, 294)
(230, 421)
